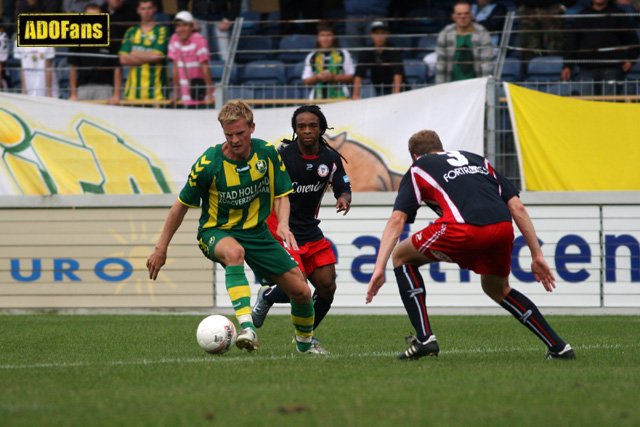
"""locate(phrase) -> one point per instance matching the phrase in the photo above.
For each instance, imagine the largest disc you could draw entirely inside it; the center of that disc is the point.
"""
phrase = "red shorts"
(313, 255)
(310, 255)
(483, 249)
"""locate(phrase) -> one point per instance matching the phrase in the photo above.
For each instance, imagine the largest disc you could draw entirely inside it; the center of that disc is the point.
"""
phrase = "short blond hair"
(235, 110)
(424, 142)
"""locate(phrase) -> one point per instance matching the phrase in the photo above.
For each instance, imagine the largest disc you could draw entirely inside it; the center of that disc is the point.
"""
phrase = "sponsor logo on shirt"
(465, 170)
(310, 188)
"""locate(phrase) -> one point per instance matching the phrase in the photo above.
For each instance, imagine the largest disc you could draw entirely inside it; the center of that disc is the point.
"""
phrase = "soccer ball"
(216, 334)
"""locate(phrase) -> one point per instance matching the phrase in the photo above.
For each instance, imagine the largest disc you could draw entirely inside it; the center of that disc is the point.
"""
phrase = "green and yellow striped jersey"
(146, 81)
(236, 195)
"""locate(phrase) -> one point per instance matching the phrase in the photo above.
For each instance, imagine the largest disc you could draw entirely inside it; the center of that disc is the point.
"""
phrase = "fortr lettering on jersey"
(464, 170)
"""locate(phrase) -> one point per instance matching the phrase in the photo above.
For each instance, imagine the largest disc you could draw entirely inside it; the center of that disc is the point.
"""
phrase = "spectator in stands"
(37, 72)
(93, 77)
(4, 55)
(630, 6)
(38, 6)
(189, 51)
(464, 49)
(382, 62)
(359, 14)
(605, 55)
(491, 15)
(215, 18)
(295, 9)
(121, 17)
(328, 69)
(34, 6)
(143, 49)
(79, 6)
(540, 28)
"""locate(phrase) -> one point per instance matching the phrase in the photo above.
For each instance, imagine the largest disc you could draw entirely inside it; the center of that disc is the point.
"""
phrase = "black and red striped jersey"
(310, 176)
(459, 186)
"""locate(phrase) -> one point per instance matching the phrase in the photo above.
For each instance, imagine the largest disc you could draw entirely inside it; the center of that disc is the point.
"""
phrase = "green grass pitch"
(100, 370)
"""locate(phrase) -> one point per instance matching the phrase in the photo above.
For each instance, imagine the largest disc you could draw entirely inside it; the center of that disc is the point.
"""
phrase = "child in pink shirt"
(189, 51)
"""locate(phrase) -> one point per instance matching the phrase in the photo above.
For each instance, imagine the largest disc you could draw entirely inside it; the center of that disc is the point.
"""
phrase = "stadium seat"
(415, 73)
(544, 68)
(403, 42)
(295, 86)
(264, 72)
(254, 48)
(251, 24)
(295, 47)
(511, 70)
(426, 44)
(337, 16)
(420, 20)
(561, 89)
(240, 92)
(367, 91)
(216, 68)
(267, 78)
(271, 25)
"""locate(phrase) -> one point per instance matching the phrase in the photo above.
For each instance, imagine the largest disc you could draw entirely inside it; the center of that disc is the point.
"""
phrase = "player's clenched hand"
(542, 272)
(343, 205)
(155, 262)
(376, 282)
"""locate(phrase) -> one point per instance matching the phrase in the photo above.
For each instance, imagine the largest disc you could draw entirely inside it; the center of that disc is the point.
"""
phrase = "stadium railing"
(279, 82)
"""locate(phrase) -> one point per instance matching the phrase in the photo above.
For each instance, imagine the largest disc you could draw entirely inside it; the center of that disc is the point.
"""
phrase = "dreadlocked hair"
(315, 110)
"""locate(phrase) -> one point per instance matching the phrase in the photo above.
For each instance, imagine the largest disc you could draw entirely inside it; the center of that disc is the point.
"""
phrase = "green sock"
(302, 317)
(240, 294)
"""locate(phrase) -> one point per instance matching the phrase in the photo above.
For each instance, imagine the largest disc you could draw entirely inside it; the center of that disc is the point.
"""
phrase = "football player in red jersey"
(475, 205)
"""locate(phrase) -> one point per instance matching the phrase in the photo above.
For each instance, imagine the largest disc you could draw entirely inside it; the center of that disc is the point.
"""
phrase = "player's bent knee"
(234, 255)
(495, 287)
(295, 286)
(326, 290)
(299, 294)
(405, 253)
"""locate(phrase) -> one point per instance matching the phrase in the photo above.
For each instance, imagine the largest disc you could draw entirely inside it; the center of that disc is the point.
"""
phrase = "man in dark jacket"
(604, 46)
(541, 28)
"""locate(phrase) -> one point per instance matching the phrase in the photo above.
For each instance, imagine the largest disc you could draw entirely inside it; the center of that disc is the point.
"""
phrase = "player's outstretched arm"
(390, 237)
(541, 270)
(159, 255)
(282, 208)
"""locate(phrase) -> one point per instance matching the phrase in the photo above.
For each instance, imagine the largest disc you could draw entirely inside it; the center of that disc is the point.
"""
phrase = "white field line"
(258, 358)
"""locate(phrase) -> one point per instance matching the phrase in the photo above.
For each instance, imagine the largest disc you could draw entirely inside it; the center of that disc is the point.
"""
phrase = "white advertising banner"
(94, 257)
(50, 146)
(594, 265)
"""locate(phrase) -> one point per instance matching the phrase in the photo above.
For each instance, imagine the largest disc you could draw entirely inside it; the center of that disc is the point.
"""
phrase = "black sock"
(412, 292)
(321, 306)
(275, 295)
(523, 309)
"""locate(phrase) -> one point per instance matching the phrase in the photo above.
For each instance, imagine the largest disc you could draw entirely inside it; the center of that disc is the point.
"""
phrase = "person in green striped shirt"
(144, 49)
(236, 185)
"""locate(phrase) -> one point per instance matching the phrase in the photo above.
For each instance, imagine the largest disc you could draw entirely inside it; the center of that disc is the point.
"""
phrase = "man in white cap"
(190, 53)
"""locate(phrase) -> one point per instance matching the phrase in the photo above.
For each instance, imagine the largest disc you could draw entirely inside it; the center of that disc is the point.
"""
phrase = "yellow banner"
(567, 144)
